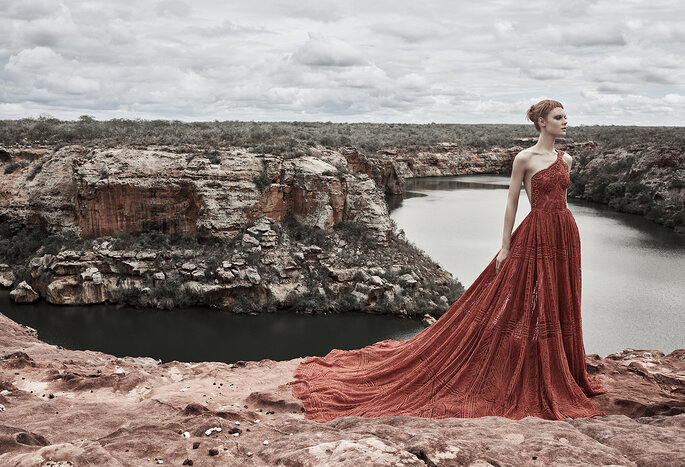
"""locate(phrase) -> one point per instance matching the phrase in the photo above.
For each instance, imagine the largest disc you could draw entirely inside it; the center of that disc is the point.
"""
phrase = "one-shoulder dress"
(510, 346)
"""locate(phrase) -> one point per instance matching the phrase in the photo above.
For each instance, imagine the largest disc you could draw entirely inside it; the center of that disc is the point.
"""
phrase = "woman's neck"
(545, 143)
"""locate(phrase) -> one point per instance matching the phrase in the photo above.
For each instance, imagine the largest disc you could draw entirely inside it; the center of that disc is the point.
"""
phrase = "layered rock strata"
(232, 197)
(639, 179)
(97, 192)
(223, 193)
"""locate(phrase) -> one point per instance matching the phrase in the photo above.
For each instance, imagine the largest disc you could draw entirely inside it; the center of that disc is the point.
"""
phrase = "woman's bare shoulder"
(567, 158)
(523, 157)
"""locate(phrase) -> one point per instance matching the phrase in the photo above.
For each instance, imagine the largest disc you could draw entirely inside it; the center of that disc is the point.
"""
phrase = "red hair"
(541, 109)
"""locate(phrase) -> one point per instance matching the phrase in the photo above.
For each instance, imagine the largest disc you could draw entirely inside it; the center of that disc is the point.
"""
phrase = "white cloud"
(590, 34)
(615, 88)
(347, 60)
(173, 8)
(326, 51)
(33, 60)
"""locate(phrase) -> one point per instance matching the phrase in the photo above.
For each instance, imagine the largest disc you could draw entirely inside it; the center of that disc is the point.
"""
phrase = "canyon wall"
(138, 207)
(242, 198)
(97, 192)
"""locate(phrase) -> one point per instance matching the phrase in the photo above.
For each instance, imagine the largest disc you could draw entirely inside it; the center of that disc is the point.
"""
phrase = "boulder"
(24, 293)
(69, 290)
(6, 276)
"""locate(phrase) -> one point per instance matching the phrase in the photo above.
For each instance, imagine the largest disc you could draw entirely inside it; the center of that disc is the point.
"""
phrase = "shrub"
(635, 187)
(677, 218)
(677, 183)
(598, 188)
(346, 302)
(213, 156)
(244, 303)
(14, 166)
(577, 184)
(152, 237)
(18, 242)
(615, 190)
(130, 296)
(356, 233)
(170, 293)
(35, 170)
(304, 233)
(262, 181)
(309, 302)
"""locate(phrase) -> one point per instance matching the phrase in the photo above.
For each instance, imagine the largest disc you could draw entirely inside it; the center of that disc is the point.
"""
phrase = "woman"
(510, 346)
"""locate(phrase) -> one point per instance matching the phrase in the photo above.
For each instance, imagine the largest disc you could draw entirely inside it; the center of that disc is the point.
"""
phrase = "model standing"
(511, 345)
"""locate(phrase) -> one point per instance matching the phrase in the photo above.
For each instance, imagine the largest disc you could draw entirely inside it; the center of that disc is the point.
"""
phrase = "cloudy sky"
(609, 62)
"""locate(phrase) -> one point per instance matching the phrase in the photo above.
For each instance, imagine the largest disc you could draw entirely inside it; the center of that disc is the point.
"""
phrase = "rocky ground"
(264, 269)
(62, 408)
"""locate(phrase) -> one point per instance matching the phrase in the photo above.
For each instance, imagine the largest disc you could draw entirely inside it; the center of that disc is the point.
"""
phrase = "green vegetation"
(307, 234)
(14, 166)
(611, 185)
(615, 136)
(153, 238)
(356, 234)
(19, 243)
(280, 138)
(290, 139)
(262, 181)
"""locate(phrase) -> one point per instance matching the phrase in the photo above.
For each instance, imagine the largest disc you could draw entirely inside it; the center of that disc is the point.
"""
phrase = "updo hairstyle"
(541, 109)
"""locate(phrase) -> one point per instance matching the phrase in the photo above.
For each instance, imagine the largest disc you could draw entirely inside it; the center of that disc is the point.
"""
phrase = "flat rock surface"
(90, 408)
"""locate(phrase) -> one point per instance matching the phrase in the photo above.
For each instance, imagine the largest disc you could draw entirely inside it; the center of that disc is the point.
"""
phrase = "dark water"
(633, 288)
(633, 270)
(202, 334)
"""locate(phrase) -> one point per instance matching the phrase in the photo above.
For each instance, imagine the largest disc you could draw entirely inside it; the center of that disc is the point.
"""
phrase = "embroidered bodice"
(548, 186)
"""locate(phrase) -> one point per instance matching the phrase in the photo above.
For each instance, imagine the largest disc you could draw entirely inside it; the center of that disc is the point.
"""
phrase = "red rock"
(137, 411)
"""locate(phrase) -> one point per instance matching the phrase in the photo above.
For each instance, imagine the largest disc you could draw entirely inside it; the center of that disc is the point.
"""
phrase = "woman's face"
(555, 122)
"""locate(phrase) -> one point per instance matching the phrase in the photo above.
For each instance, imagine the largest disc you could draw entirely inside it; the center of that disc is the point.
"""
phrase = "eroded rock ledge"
(264, 264)
(91, 408)
(352, 259)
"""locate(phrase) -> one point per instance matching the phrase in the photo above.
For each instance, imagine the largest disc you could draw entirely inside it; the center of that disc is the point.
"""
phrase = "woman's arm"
(518, 170)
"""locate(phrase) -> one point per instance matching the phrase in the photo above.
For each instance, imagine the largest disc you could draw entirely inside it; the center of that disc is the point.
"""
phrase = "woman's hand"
(500, 258)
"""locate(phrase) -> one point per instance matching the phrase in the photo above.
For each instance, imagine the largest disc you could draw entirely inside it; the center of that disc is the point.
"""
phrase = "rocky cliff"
(97, 192)
(639, 178)
(242, 198)
(233, 229)
(63, 407)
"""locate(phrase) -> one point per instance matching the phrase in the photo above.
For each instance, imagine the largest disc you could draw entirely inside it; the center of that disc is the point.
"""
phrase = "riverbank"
(88, 407)
(638, 178)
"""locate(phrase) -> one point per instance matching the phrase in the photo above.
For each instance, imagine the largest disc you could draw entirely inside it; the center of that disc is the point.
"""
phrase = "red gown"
(510, 346)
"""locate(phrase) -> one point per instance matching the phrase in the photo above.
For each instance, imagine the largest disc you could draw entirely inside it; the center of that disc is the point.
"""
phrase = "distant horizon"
(485, 62)
(321, 122)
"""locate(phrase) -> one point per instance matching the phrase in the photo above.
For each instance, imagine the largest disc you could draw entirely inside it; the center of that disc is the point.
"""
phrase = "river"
(632, 292)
